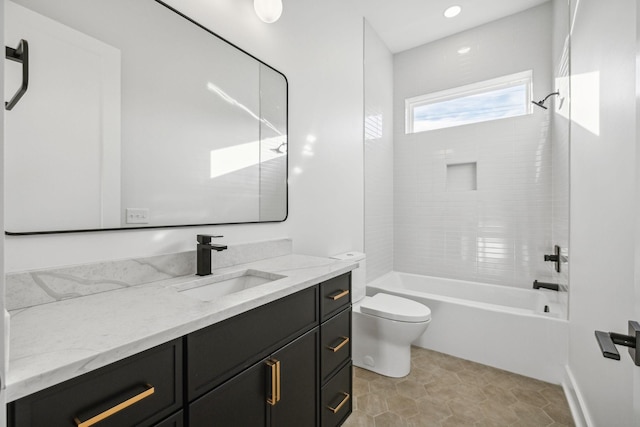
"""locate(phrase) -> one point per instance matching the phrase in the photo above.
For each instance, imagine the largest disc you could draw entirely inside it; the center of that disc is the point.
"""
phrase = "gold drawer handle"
(114, 410)
(344, 342)
(339, 295)
(341, 404)
(275, 381)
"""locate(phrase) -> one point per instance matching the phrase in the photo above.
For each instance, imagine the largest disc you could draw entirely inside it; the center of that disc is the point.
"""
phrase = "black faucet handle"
(555, 258)
(205, 239)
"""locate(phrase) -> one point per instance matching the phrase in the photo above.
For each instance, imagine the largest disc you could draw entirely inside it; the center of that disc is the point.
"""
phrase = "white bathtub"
(494, 325)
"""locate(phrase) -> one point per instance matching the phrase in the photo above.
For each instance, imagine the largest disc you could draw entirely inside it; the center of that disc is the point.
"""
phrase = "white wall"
(602, 213)
(378, 154)
(318, 46)
(499, 232)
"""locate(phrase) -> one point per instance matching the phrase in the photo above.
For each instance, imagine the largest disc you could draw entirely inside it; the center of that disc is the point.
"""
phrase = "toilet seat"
(395, 308)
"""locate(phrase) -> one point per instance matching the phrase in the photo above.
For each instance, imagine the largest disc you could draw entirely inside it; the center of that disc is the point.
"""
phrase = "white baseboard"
(575, 399)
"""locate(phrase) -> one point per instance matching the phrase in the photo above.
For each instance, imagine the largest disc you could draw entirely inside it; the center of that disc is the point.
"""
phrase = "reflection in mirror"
(138, 117)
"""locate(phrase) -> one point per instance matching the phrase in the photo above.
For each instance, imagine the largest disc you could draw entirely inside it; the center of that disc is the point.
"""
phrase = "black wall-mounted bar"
(545, 285)
(608, 340)
(555, 257)
(21, 55)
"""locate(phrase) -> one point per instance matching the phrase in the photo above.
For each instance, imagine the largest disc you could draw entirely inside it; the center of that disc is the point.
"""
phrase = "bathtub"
(499, 326)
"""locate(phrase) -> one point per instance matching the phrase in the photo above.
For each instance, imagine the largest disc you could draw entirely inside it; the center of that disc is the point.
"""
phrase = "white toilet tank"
(358, 276)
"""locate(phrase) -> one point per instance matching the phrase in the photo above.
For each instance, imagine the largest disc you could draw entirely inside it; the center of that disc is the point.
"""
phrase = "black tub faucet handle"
(555, 257)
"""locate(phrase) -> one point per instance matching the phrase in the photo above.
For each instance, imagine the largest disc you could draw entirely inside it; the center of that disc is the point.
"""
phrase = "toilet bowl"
(383, 326)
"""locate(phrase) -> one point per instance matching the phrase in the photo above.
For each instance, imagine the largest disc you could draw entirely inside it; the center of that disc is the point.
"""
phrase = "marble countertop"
(55, 342)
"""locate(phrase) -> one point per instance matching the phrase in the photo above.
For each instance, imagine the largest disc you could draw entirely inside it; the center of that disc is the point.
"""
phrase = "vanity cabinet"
(286, 363)
(141, 390)
(281, 390)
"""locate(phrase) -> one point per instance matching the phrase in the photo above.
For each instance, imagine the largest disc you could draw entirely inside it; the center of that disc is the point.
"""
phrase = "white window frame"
(503, 82)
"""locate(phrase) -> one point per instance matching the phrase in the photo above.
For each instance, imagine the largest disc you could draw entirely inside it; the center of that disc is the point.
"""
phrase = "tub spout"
(552, 286)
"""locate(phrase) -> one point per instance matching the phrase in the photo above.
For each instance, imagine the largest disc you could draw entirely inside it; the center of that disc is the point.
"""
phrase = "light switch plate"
(137, 215)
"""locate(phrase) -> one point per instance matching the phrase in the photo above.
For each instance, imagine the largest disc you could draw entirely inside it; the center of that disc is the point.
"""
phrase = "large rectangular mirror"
(136, 116)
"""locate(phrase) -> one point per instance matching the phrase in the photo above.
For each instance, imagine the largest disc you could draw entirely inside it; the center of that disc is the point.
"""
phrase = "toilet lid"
(395, 308)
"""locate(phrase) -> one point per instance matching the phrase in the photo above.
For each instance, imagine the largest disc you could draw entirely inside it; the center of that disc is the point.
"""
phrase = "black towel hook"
(19, 54)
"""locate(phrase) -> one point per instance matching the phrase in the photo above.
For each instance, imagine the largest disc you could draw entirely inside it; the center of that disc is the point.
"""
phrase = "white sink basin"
(212, 287)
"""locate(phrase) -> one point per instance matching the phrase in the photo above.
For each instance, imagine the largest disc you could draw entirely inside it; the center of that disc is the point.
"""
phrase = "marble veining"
(51, 343)
(32, 288)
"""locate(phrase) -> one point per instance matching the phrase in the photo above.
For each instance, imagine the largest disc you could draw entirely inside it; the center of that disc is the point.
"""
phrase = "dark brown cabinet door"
(244, 400)
(298, 383)
(335, 401)
(240, 402)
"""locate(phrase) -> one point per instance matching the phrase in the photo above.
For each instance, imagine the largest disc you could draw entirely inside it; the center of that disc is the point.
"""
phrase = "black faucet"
(551, 286)
(203, 253)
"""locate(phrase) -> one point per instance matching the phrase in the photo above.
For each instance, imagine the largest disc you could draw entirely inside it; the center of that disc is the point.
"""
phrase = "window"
(507, 96)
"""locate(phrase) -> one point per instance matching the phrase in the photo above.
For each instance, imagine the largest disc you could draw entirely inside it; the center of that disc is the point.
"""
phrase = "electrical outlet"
(137, 215)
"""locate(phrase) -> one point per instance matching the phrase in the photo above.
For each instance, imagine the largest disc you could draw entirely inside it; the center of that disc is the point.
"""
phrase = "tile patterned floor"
(444, 391)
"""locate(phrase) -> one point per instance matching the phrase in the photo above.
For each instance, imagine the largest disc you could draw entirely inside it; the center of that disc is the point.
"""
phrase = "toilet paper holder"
(608, 340)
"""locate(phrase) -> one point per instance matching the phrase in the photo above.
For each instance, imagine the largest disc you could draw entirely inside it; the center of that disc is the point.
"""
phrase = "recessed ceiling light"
(452, 11)
(464, 50)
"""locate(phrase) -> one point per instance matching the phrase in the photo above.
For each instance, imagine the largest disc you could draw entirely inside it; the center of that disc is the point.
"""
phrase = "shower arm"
(547, 97)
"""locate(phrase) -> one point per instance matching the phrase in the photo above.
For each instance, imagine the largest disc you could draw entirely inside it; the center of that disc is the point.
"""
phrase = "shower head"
(542, 101)
(539, 104)
(282, 148)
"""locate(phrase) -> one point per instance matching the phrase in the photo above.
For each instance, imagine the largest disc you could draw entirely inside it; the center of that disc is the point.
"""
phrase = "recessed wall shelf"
(462, 177)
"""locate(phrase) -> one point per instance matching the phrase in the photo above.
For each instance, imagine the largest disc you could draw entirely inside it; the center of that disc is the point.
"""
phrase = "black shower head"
(542, 101)
(539, 104)
(282, 148)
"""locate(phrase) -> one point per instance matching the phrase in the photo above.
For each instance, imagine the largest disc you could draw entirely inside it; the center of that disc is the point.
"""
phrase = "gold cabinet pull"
(278, 382)
(339, 295)
(274, 366)
(341, 404)
(344, 342)
(114, 410)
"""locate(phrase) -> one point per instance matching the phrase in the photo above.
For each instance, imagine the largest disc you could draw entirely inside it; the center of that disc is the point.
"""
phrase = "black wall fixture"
(19, 54)
(555, 258)
(545, 285)
(608, 340)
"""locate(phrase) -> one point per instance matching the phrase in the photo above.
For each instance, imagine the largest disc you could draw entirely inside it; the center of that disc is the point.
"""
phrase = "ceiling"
(404, 24)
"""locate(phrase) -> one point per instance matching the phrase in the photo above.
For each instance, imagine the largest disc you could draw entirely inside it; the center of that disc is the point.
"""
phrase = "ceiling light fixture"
(452, 11)
(268, 10)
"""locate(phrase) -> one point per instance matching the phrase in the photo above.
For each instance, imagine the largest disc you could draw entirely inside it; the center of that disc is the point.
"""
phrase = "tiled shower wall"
(378, 155)
(498, 232)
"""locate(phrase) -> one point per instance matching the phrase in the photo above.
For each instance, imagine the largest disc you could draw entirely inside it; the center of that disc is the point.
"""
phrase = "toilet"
(383, 326)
